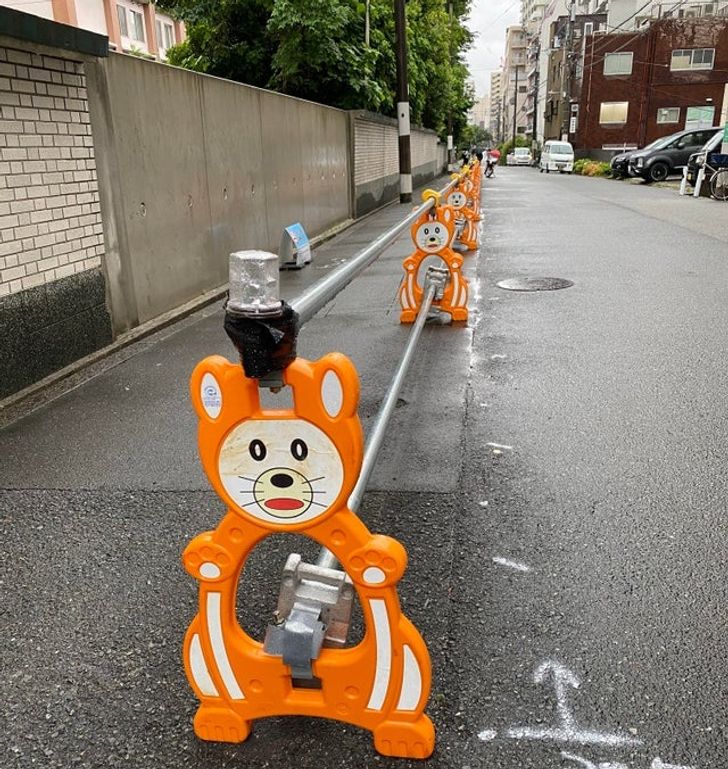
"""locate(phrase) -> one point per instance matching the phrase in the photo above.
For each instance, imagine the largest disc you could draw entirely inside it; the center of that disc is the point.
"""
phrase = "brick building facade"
(637, 87)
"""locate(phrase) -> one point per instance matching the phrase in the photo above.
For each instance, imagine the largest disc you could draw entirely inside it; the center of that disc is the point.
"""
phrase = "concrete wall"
(376, 160)
(194, 167)
(125, 184)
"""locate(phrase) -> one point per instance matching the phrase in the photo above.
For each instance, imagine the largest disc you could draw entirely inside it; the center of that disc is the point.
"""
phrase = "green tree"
(316, 50)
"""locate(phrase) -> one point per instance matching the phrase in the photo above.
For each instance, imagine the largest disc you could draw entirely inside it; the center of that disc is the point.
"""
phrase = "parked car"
(657, 163)
(619, 164)
(556, 156)
(520, 156)
(697, 159)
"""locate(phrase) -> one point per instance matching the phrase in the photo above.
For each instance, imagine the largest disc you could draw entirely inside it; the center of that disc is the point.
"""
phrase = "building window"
(699, 117)
(618, 63)
(123, 27)
(165, 35)
(137, 26)
(521, 89)
(692, 58)
(613, 112)
(668, 115)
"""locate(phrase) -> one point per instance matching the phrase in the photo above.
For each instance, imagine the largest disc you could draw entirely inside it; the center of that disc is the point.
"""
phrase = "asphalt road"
(556, 471)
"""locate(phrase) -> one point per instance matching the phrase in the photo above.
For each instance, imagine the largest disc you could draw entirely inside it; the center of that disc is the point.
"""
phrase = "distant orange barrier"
(433, 234)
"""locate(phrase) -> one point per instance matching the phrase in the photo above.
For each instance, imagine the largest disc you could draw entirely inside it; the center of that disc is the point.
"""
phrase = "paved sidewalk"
(102, 489)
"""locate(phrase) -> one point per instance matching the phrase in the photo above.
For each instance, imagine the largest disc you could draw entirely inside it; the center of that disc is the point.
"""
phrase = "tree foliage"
(316, 50)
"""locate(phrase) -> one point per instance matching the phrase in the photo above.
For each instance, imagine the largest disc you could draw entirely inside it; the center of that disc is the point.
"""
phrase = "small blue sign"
(298, 251)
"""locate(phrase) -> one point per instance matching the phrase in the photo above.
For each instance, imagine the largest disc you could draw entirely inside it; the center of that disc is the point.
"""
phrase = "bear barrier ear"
(330, 386)
(214, 379)
(431, 195)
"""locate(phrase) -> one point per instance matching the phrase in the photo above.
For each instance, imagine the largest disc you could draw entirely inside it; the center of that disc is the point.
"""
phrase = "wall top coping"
(33, 29)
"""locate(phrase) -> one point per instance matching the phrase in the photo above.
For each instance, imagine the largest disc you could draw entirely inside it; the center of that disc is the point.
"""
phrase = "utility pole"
(567, 71)
(450, 144)
(534, 135)
(366, 24)
(403, 109)
(515, 106)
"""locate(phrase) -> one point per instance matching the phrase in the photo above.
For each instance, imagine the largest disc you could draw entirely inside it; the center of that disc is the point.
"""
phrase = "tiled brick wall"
(50, 217)
(376, 153)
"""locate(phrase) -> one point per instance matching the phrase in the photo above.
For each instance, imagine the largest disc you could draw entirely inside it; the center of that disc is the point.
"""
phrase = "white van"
(557, 156)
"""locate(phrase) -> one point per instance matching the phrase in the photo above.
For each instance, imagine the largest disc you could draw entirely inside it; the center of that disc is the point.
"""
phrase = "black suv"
(713, 145)
(668, 156)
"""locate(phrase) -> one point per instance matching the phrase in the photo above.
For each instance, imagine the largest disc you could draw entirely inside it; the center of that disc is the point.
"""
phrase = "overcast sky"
(488, 20)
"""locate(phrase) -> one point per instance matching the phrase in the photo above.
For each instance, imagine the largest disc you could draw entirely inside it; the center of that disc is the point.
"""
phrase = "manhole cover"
(534, 284)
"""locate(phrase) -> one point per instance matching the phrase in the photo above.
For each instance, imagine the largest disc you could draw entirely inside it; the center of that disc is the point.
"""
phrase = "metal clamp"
(314, 610)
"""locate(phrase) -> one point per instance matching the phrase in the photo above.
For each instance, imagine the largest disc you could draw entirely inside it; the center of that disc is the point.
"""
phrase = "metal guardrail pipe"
(376, 435)
(321, 293)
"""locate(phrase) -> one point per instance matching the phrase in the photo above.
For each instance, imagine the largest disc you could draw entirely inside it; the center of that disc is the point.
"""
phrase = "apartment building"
(132, 26)
(564, 74)
(514, 82)
(637, 88)
(629, 15)
(532, 12)
(480, 112)
(496, 103)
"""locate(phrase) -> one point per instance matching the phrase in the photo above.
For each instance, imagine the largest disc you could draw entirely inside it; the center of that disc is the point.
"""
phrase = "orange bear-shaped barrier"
(466, 219)
(432, 234)
(293, 471)
(470, 185)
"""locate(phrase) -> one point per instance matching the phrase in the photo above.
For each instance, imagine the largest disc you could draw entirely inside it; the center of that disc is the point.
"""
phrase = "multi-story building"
(628, 15)
(132, 26)
(637, 88)
(514, 83)
(480, 112)
(532, 12)
(496, 104)
(563, 77)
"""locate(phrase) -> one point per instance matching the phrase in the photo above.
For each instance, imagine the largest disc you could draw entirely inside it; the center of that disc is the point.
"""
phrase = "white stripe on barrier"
(384, 653)
(199, 669)
(219, 652)
(405, 182)
(411, 682)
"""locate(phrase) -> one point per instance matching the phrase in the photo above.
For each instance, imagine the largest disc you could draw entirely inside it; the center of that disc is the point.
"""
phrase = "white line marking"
(484, 503)
(586, 764)
(568, 730)
(658, 763)
(498, 357)
(577, 736)
(487, 735)
(511, 564)
(500, 446)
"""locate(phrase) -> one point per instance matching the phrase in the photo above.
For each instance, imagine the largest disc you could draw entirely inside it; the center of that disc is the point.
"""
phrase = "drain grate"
(534, 284)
